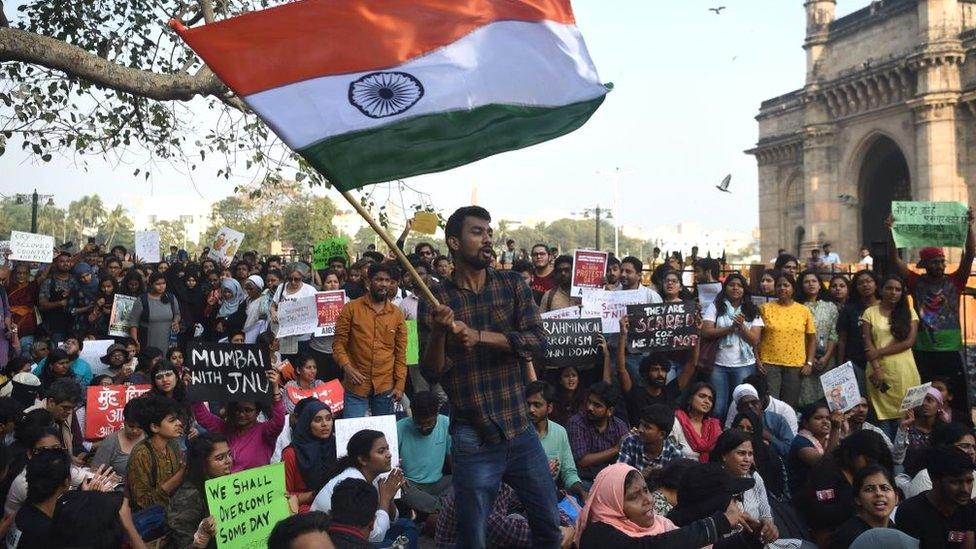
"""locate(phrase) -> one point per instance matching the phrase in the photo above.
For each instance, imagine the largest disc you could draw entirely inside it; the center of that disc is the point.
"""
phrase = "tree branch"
(37, 49)
(4, 22)
(206, 8)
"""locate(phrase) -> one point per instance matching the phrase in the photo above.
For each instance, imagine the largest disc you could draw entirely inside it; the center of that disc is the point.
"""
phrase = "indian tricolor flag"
(375, 90)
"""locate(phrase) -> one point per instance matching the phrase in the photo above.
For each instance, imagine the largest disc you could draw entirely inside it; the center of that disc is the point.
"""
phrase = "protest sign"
(919, 224)
(610, 307)
(707, 292)
(386, 424)
(589, 271)
(327, 307)
(840, 388)
(564, 313)
(914, 397)
(225, 245)
(147, 246)
(330, 393)
(413, 344)
(323, 251)
(104, 405)
(297, 317)
(247, 505)
(92, 353)
(663, 326)
(35, 248)
(118, 322)
(425, 223)
(571, 342)
(225, 372)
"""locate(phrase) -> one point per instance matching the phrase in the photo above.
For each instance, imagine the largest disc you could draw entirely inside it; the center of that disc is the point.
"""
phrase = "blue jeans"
(400, 527)
(724, 379)
(356, 406)
(479, 469)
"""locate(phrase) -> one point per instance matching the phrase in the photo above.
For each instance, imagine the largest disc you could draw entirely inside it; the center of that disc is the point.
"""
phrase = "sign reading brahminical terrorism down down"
(225, 372)
(663, 326)
(247, 505)
(571, 342)
(920, 224)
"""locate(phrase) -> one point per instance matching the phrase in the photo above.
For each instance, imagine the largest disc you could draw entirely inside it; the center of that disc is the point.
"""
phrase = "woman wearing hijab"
(620, 513)
(192, 293)
(258, 304)
(229, 318)
(82, 300)
(311, 454)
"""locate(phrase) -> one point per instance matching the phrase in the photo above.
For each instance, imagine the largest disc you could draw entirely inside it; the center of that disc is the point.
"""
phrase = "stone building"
(886, 113)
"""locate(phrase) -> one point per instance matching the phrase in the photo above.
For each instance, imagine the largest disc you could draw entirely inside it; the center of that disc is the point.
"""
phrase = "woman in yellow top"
(788, 342)
(889, 333)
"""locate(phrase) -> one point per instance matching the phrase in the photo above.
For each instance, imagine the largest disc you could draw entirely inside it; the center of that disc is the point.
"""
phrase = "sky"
(687, 86)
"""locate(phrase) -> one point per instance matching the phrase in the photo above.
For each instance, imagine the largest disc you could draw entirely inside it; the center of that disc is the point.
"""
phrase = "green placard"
(919, 224)
(413, 343)
(332, 247)
(247, 505)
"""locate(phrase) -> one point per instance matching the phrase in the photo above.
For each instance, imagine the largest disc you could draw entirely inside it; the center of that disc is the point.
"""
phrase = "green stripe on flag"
(438, 142)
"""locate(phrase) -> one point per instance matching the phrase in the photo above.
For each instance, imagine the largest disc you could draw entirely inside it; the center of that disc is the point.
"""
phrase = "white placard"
(93, 352)
(225, 245)
(707, 291)
(297, 317)
(760, 300)
(840, 388)
(36, 248)
(914, 397)
(147, 246)
(566, 313)
(346, 428)
(611, 306)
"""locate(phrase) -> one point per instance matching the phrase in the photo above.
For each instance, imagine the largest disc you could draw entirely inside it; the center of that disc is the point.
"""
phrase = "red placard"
(589, 270)
(331, 394)
(328, 304)
(103, 409)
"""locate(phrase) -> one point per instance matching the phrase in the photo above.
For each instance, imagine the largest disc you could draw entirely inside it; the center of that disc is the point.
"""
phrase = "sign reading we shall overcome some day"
(571, 342)
(662, 326)
(225, 372)
(919, 224)
(247, 505)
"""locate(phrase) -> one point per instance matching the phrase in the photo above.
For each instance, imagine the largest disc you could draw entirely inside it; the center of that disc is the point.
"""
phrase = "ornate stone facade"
(887, 113)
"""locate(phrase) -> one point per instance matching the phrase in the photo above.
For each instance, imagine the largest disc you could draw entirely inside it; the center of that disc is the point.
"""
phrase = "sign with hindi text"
(34, 248)
(297, 317)
(572, 342)
(663, 326)
(589, 271)
(919, 224)
(104, 405)
(147, 246)
(327, 307)
(247, 505)
(118, 322)
(331, 394)
(327, 249)
(225, 372)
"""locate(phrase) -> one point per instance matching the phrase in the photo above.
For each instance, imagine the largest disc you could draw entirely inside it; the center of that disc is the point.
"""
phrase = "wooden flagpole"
(420, 285)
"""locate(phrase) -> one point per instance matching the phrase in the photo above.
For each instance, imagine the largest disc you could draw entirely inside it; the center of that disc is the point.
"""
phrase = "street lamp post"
(35, 202)
(600, 213)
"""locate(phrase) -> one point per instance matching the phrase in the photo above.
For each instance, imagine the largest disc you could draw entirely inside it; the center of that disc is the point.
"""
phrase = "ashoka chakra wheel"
(382, 94)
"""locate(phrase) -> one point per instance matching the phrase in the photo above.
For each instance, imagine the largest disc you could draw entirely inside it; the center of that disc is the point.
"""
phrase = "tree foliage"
(84, 218)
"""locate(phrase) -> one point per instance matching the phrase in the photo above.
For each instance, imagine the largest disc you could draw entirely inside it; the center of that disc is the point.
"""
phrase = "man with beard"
(53, 298)
(938, 346)
(857, 420)
(354, 286)
(371, 348)
(338, 264)
(768, 403)
(558, 297)
(595, 434)
(776, 431)
(613, 274)
(424, 444)
(945, 515)
(487, 319)
(654, 371)
(540, 396)
(543, 278)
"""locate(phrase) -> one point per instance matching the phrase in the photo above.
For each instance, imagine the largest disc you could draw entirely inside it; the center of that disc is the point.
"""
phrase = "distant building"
(146, 210)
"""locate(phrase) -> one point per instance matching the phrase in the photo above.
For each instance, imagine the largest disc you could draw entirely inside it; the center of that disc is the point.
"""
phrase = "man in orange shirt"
(371, 348)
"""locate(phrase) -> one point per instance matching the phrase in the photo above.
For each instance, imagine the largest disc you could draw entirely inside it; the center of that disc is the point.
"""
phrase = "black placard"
(662, 326)
(571, 342)
(225, 372)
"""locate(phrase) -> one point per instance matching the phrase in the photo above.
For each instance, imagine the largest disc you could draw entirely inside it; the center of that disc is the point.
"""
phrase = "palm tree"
(117, 222)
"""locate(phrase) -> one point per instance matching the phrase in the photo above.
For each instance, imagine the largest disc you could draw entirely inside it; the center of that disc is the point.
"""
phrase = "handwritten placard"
(247, 505)
(147, 246)
(327, 249)
(327, 307)
(104, 405)
(225, 245)
(610, 306)
(840, 388)
(564, 313)
(589, 271)
(226, 372)
(35, 248)
(297, 317)
(919, 224)
(118, 323)
(571, 342)
(663, 326)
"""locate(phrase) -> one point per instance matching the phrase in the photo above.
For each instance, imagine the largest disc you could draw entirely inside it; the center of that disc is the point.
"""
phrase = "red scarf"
(703, 443)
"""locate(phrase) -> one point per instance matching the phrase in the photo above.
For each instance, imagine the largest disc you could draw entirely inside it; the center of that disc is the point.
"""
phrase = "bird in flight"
(718, 10)
(724, 185)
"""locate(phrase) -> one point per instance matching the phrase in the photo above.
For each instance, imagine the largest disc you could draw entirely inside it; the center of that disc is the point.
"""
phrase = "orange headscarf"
(606, 504)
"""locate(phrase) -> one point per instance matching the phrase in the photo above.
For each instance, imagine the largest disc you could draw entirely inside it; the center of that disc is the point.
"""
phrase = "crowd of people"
(730, 443)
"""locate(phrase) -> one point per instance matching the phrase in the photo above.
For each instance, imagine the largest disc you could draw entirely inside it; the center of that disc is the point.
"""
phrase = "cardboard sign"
(35, 248)
(919, 224)
(914, 397)
(147, 246)
(572, 342)
(425, 223)
(413, 344)
(589, 271)
(104, 405)
(225, 245)
(224, 372)
(297, 317)
(331, 393)
(610, 306)
(840, 388)
(346, 428)
(564, 313)
(118, 322)
(247, 505)
(707, 291)
(93, 352)
(323, 251)
(663, 326)
(327, 307)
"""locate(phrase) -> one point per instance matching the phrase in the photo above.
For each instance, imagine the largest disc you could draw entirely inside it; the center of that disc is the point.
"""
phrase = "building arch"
(794, 212)
(882, 174)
